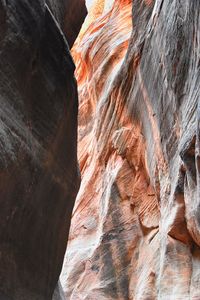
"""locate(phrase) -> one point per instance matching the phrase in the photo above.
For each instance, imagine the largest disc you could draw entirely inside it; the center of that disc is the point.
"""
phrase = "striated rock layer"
(136, 224)
(39, 177)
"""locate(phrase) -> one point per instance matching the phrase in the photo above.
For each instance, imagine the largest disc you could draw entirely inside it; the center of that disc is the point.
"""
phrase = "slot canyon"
(100, 150)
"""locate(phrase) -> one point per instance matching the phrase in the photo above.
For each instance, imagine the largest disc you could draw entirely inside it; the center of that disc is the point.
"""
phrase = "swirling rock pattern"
(135, 229)
(39, 176)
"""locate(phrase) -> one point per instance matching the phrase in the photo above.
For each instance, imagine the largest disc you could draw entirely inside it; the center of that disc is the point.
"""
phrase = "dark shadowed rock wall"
(39, 176)
(136, 224)
(70, 14)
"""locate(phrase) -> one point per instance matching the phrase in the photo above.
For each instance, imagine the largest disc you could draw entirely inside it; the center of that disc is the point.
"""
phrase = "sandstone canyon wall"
(136, 224)
(39, 177)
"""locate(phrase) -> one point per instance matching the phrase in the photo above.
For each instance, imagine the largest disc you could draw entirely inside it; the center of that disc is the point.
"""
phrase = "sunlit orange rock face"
(135, 230)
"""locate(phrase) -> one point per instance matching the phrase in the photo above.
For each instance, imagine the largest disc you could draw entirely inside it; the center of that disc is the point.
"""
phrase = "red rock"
(135, 227)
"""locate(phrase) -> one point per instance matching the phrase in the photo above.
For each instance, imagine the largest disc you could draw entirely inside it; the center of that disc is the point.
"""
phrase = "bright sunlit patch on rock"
(89, 3)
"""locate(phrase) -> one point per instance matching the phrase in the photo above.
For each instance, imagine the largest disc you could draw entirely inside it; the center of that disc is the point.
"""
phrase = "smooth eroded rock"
(135, 229)
(38, 139)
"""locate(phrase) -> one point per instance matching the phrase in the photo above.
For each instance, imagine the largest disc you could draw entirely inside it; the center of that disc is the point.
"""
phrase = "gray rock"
(58, 293)
(39, 176)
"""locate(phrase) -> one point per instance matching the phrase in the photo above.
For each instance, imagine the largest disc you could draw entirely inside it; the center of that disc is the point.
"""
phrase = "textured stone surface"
(38, 140)
(135, 229)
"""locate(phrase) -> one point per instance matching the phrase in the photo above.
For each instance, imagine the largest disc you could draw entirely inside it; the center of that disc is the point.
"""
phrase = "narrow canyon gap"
(39, 176)
(135, 231)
